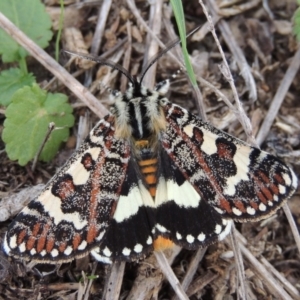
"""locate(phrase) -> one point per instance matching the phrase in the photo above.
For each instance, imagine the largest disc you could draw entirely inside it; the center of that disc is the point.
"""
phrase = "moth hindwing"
(148, 176)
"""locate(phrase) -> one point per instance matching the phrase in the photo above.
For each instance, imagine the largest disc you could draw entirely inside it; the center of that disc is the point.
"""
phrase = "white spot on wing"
(54, 252)
(129, 205)
(226, 231)
(12, 242)
(189, 130)
(5, 245)
(201, 237)
(242, 162)
(178, 236)
(22, 247)
(282, 189)
(287, 179)
(209, 142)
(126, 251)
(32, 251)
(236, 211)
(218, 229)
(97, 139)
(262, 207)
(294, 179)
(82, 246)
(99, 257)
(190, 239)
(100, 236)
(219, 210)
(184, 195)
(79, 174)
(95, 151)
(250, 210)
(43, 252)
(138, 248)
(270, 203)
(52, 205)
(275, 198)
(107, 252)
(161, 228)
(149, 240)
(68, 250)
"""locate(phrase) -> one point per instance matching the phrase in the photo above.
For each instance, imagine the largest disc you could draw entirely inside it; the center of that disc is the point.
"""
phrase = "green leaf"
(296, 20)
(179, 16)
(27, 120)
(31, 17)
(10, 81)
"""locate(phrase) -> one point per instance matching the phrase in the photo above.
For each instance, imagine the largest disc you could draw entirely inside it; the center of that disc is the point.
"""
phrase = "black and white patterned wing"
(129, 236)
(182, 215)
(73, 213)
(239, 181)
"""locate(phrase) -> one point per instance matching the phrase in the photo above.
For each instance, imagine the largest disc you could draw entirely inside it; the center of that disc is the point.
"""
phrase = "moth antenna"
(169, 46)
(105, 62)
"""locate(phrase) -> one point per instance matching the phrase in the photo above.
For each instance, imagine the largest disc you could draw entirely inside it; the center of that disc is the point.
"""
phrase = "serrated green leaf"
(27, 120)
(10, 81)
(31, 17)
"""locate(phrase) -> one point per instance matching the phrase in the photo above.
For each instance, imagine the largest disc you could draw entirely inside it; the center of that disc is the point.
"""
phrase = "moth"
(148, 176)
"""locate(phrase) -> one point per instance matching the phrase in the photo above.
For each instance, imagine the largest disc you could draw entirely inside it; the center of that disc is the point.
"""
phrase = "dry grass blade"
(288, 286)
(114, 281)
(227, 74)
(293, 226)
(273, 286)
(167, 270)
(192, 269)
(238, 262)
(98, 35)
(279, 97)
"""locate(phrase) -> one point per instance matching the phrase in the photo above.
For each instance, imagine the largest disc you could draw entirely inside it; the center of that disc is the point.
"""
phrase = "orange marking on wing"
(274, 189)
(161, 243)
(240, 205)
(92, 233)
(261, 197)
(32, 239)
(42, 239)
(66, 189)
(30, 243)
(36, 229)
(225, 205)
(224, 151)
(199, 158)
(76, 241)
(279, 179)
(254, 205)
(21, 236)
(267, 193)
(50, 244)
(62, 247)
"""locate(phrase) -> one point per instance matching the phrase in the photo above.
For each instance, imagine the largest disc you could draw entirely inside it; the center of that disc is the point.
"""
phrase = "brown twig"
(279, 97)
